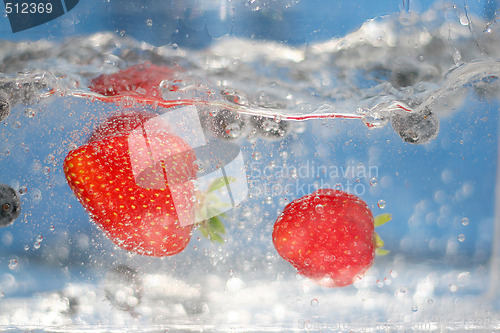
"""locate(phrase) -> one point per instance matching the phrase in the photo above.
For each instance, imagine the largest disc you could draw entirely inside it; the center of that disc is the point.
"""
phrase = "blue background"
(195, 23)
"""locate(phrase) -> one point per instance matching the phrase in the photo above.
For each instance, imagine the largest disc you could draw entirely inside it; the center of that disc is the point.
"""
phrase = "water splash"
(391, 67)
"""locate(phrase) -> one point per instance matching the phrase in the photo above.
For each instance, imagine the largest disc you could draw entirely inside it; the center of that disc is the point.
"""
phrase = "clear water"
(330, 114)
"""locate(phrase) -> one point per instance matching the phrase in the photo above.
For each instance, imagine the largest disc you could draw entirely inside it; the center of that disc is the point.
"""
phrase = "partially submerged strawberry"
(139, 80)
(124, 180)
(328, 236)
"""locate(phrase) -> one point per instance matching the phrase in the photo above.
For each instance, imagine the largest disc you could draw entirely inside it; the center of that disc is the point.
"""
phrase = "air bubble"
(319, 208)
(39, 238)
(6, 152)
(199, 166)
(414, 308)
(49, 159)
(465, 221)
(257, 155)
(269, 200)
(36, 195)
(270, 125)
(37, 245)
(381, 204)
(233, 130)
(314, 302)
(16, 124)
(30, 112)
(22, 190)
(461, 237)
(12, 264)
(373, 181)
(123, 287)
(149, 22)
(26, 247)
(52, 228)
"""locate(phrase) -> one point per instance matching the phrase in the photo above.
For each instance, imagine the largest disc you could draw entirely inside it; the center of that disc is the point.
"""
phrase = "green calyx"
(210, 211)
(379, 243)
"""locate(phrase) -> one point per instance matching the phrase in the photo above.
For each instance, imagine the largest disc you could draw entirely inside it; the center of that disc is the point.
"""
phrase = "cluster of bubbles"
(229, 125)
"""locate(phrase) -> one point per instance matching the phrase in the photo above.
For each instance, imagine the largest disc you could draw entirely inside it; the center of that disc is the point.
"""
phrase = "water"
(401, 112)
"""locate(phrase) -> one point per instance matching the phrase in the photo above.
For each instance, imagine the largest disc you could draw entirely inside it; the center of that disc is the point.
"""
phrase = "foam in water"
(407, 70)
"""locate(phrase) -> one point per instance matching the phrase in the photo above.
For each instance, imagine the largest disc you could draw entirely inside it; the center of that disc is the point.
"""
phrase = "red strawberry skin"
(137, 217)
(138, 80)
(120, 124)
(328, 236)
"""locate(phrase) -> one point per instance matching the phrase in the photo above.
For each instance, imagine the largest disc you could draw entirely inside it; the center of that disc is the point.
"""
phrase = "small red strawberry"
(138, 80)
(124, 178)
(328, 236)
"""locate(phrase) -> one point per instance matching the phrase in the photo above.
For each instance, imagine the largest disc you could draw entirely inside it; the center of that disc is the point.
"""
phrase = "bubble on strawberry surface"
(319, 208)
(199, 166)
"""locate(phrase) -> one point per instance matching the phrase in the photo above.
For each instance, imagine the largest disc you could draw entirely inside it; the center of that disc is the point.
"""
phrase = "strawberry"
(328, 236)
(139, 80)
(120, 124)
(124, 178)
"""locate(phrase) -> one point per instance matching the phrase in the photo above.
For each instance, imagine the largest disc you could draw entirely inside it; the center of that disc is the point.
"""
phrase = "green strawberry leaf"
(381, 219)
(220, 182)
(378, 241)
(216, 225)
(381, 252)
(211, 209)
(203, 229)
(215, 237)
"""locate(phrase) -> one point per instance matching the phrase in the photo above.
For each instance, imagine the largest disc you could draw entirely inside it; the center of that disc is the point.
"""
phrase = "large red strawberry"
(328, 236)
(125, 176)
